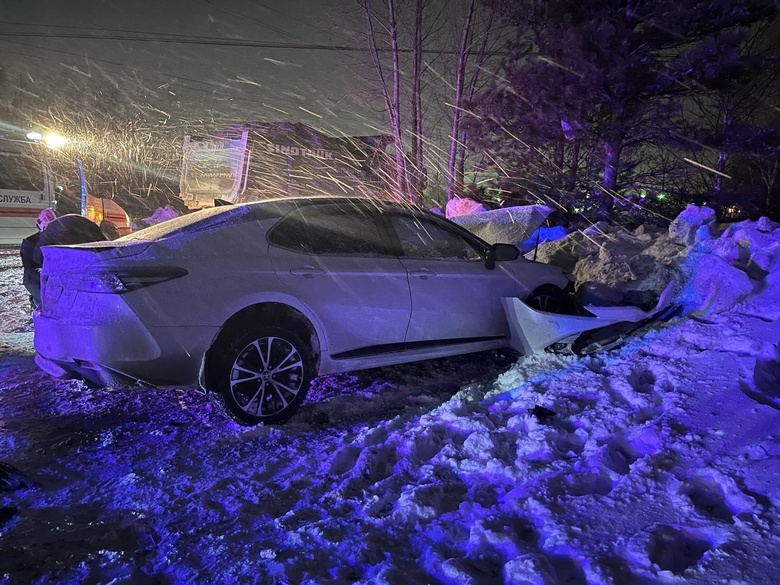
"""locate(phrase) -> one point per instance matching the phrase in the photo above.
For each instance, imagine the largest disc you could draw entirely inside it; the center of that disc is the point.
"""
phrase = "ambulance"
(26, 188)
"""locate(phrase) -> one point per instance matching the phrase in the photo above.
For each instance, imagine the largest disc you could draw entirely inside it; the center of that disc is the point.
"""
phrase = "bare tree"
(455, 179)
(390, 93)
(418, 170)
(425, 85)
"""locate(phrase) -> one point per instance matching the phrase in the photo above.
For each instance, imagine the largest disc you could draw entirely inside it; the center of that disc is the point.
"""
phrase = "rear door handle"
(422, 273)
(307, 271)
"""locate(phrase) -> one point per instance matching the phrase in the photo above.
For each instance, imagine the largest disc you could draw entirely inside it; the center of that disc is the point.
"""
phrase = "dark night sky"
(195, 82)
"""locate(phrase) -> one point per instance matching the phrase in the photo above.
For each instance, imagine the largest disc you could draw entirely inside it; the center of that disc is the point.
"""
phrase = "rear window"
(206, 219)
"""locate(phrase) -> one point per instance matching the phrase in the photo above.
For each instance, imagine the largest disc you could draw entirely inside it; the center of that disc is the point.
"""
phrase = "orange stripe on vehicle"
(18, 212)
(117, 219)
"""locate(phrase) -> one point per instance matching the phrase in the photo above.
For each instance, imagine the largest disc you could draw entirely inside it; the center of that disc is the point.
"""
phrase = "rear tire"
(262, 374)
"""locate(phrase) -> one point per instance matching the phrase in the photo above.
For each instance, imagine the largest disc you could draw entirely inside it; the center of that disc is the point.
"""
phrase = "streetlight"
(56, 141)
(53, 140)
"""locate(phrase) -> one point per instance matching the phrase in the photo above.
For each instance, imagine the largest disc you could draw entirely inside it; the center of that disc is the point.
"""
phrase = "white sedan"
(253, 301)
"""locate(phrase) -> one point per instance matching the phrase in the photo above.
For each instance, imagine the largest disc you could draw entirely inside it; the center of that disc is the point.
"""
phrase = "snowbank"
(511, 225)
(694, 222)
(609, 262)
(612, 265)
(656, 463)
(462, 206)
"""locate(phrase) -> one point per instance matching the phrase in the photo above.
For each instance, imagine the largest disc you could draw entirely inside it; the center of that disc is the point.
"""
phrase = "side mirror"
(500, 253)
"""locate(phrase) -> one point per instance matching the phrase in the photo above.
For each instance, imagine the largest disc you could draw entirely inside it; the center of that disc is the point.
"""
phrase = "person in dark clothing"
(109, 230)
(31, 258)
(65, 230)
(71, 229)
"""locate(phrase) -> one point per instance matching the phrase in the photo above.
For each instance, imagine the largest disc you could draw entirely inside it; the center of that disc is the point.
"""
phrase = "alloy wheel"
(546, 303)
(266, 376)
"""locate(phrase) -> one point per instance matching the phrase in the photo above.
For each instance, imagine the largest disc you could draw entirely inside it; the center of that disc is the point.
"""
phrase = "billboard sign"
(212, 168)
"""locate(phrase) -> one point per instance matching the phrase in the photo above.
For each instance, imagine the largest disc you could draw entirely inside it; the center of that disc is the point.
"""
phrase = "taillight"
(124, 280)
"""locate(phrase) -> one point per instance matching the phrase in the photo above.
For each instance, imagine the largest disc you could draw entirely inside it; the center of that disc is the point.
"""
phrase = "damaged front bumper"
(534, 331)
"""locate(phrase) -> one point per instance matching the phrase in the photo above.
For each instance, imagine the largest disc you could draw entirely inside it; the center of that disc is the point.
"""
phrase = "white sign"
(212, 169)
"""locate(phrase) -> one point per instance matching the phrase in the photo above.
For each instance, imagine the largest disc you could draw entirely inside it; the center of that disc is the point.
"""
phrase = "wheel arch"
(564, 298)
(269, 313)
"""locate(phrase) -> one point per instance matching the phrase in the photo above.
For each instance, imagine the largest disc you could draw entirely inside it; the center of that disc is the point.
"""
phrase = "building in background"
(249, 161)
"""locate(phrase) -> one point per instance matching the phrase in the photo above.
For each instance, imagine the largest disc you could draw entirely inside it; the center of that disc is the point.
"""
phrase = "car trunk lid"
(64, 268)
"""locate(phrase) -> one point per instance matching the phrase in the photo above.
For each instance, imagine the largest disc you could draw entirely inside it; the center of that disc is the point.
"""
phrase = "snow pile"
(612, 265)
(506, 225)
(724, 271)
(160, 215)
(15, 313)
(656, 463)
(458, 206)
(692, 224)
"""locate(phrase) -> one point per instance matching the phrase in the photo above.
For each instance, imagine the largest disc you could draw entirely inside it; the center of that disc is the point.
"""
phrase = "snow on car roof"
(225, 214)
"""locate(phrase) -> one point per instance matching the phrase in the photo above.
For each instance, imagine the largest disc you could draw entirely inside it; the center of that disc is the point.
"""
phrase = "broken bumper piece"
(535, 331)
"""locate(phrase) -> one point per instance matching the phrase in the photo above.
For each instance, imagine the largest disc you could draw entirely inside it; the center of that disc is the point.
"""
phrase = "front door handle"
(307, 271)
(422, 273)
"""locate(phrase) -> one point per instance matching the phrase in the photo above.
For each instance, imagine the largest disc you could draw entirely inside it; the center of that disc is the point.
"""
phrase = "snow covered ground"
(658, 462)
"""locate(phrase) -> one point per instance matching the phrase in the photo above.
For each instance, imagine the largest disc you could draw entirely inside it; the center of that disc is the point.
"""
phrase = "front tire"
(550, 299)
(263, 375)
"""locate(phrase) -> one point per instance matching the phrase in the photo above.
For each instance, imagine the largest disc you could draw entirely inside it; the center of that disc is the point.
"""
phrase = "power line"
(145, 37)
(91, 28)
(243, 17)
(203, 41)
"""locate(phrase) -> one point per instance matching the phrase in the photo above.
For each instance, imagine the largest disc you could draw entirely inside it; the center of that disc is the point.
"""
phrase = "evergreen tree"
(598, 81)
(729, 117)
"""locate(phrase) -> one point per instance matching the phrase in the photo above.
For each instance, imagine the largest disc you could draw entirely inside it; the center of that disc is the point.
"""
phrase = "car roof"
(254, 211)
(289, 203)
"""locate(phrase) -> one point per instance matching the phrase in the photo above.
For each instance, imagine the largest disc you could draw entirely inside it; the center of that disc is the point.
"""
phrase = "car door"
(454, 295)
(336, 260)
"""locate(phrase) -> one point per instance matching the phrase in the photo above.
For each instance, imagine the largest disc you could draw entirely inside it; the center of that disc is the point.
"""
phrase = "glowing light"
(54, 140)
(34, 136)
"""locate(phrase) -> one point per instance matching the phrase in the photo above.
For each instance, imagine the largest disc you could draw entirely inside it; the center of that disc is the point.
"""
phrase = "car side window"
(330, 230)
(290, 233)
(421, 238)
